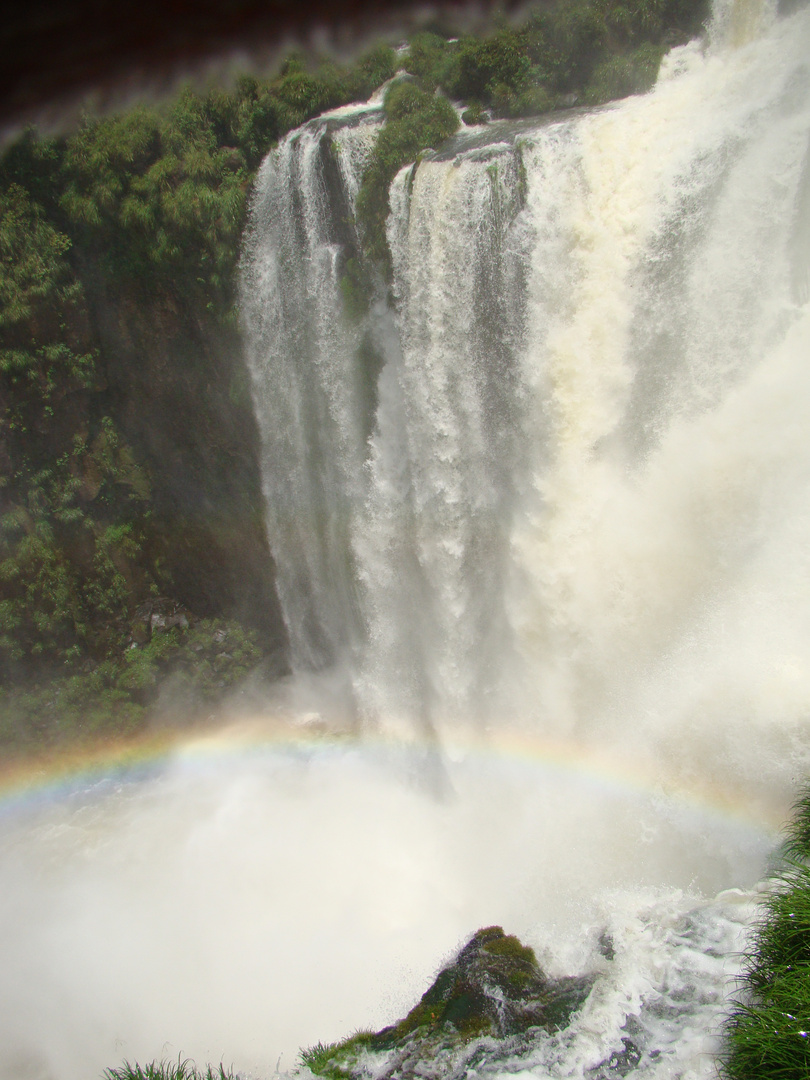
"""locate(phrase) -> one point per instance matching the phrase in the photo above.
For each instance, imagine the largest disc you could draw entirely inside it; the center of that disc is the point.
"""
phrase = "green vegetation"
(585, 51)
(168, 1070)
(335, 1060)
(183, 667)
(768, 1032)
(118, 251)
(590, 51)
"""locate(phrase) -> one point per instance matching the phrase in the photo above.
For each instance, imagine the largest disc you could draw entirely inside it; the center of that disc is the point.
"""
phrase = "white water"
(245, 901)
(579, 508)
(563, 492)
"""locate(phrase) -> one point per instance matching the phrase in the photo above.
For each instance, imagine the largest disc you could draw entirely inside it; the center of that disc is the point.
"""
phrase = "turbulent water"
(539, 508)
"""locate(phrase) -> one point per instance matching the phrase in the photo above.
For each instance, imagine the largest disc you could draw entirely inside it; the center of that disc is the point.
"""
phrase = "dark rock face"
(181, 395)
(494, 988)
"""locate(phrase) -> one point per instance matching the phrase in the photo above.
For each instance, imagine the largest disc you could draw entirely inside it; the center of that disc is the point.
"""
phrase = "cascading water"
(542, 512)
(314, 420)
(577, 506)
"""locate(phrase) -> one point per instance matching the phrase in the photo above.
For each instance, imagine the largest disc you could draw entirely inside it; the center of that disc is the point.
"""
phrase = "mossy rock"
(494, 987)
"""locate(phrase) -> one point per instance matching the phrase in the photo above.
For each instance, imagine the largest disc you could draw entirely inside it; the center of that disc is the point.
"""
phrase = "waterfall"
(314, 369)
(540, 508)
(578, 502)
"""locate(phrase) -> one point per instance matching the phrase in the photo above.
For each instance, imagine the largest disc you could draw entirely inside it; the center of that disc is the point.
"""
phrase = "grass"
(768, 1032)
(169, 1070)
(335, 1060)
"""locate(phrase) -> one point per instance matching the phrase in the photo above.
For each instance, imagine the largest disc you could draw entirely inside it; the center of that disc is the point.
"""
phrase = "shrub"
(474, 114)
(630, 73)
(481, 66)
(430, 59)
(196, 664)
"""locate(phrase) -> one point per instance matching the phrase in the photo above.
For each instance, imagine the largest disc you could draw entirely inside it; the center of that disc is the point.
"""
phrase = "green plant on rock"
(492, 988)
(44, 336)
(73, 562)
(474, 114)
(355, 288)
(207, 659)
(335, 1060)
(199, 663)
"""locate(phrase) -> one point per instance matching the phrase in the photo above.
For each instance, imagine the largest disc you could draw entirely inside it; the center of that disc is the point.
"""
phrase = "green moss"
(492, 988)
(356, 289)
(512, 948)
(465, 1009)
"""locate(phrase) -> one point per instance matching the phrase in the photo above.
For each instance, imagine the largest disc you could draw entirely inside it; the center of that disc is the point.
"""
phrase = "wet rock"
(493, 988)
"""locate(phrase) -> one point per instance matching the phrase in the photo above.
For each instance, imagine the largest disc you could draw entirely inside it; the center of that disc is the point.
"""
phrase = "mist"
(260, 889)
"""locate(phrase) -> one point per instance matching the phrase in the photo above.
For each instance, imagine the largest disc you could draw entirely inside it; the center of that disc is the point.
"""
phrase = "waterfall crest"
(573, 498)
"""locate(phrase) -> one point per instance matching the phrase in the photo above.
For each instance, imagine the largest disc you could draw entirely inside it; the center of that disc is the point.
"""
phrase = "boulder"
(494, 987)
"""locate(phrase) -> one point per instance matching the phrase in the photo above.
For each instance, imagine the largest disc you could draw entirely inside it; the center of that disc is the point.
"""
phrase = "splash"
(265, 886)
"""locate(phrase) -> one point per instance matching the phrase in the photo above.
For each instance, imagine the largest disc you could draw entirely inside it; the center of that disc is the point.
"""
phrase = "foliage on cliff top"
(588, 50)
(768, 1032)
(164, 191)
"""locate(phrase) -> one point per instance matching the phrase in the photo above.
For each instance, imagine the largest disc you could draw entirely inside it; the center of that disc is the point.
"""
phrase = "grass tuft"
(182, 1069)
(334, 1061)
(797, 839)
(768, 1032)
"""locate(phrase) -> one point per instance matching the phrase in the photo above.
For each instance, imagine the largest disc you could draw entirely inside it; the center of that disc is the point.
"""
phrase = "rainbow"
(34, 780)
